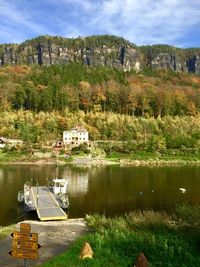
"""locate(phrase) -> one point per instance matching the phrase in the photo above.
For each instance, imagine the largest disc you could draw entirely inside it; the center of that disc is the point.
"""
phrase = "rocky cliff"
(100, 50)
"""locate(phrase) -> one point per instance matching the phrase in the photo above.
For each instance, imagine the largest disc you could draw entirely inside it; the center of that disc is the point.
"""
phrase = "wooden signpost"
(24, 244)
(25, 227)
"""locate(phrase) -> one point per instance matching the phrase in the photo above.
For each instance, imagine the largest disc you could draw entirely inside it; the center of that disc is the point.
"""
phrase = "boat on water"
(50, 202)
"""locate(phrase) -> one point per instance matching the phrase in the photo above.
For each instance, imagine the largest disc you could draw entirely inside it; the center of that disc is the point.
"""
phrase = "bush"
(156, 143)
(82, 148)
(115, 243)
(188, 216)
(180, 142)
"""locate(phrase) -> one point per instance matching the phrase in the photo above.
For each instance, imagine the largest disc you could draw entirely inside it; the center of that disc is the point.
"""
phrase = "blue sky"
(174, 22)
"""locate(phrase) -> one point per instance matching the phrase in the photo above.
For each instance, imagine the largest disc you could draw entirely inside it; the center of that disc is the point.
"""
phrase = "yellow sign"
(21, 244)
(24, 243)
(24, 254)
(25, 227)
(25, 236)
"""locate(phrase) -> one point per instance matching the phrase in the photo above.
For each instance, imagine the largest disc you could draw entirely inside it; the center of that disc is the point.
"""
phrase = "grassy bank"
(6, 230)
(11, 156)
(137, 158)
(146, 158)
(166, 241)
(144, 155)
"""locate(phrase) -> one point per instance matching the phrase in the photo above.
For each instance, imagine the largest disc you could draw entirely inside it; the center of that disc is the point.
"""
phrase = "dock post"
(25, 263)
(37, 193)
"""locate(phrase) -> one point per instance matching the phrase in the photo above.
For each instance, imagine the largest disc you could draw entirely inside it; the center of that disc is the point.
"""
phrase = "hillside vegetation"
(76, 87)
(165, 240)
(75, 43)
(155, 111)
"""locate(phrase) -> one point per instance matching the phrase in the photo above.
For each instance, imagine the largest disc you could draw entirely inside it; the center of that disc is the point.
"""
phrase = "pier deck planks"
(46, 205)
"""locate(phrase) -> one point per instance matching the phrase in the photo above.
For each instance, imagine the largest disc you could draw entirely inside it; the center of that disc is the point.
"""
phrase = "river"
(110, 190)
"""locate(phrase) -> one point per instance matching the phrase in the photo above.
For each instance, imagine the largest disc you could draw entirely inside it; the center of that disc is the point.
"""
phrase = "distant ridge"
(105, 50)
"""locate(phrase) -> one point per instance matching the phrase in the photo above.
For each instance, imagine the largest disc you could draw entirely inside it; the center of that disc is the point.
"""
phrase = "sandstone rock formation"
(117, 53)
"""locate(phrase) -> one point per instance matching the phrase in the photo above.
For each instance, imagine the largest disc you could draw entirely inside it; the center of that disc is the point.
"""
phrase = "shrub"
(188, 216)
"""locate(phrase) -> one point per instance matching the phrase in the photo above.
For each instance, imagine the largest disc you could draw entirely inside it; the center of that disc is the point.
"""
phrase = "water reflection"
(111, 190)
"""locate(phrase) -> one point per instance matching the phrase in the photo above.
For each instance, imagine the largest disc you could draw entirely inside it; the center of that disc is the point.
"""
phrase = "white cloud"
(13, 17)
(147, 21)
(140, 21)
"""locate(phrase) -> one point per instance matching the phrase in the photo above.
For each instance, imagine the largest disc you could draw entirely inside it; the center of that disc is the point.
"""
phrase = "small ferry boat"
(50, 202)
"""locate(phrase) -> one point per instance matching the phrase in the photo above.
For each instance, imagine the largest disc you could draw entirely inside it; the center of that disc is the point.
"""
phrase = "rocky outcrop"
(125, 56)
(169, 61)
(119, 57)
(193, 64)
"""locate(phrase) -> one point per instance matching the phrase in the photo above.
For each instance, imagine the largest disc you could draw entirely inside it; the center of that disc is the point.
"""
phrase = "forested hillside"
(153, 110)
(103, 89)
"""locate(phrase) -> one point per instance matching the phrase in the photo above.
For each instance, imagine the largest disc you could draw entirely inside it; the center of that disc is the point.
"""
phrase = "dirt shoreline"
(158, 162)
(97, 162)
(33, 162)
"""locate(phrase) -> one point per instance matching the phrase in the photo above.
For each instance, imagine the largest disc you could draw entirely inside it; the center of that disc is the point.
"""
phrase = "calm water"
(111, 190)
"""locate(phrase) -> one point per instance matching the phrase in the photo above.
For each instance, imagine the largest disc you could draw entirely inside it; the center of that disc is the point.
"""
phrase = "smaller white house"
(2, 142)
(9, 142)
(14, 142)
(76, 137)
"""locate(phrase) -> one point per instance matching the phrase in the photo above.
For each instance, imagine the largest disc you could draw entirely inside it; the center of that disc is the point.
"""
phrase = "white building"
(9, 142)
(75, 137)
(2, 142)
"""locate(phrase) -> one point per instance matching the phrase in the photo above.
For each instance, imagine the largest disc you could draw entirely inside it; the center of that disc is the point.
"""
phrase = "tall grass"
(117, 242)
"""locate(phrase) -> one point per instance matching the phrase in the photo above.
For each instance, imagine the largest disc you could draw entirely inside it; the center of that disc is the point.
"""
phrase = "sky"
(173, 22)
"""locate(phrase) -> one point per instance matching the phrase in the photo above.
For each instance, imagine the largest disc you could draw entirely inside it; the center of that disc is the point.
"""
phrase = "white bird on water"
(183, 190)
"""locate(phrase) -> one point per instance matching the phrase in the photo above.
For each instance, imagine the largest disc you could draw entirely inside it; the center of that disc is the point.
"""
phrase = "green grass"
(11, 156)
(19, 156)
(145, 155)
(118, 241)
(5, 231)
(115, 156)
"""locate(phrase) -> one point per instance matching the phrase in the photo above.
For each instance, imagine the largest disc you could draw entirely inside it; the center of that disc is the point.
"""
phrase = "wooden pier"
(45, 204)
